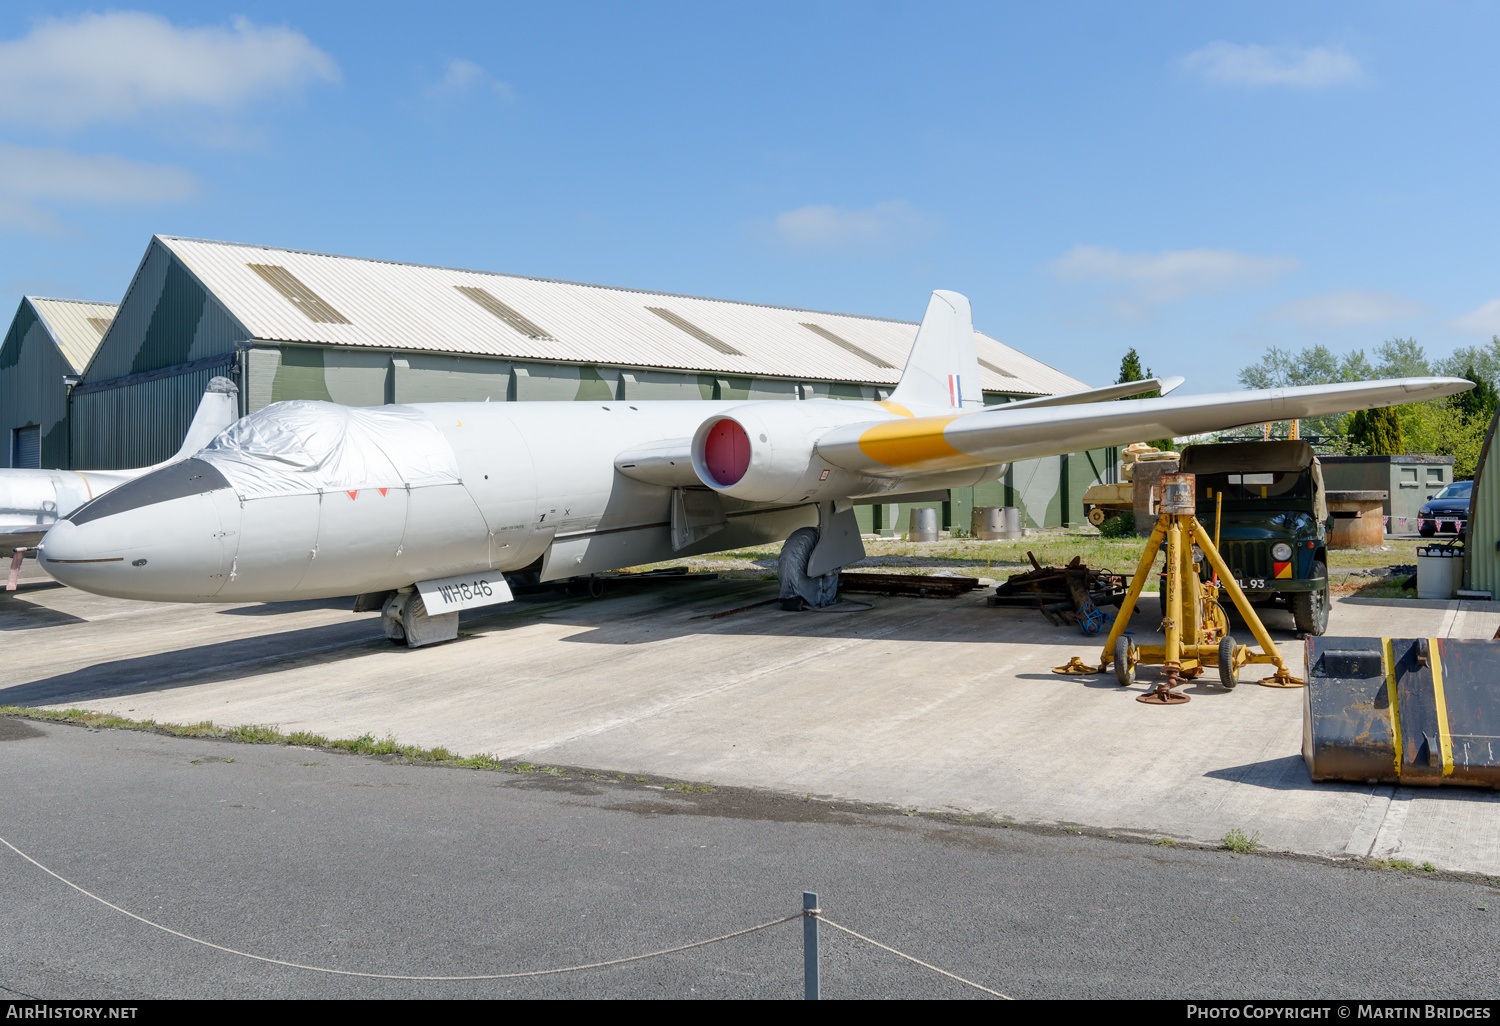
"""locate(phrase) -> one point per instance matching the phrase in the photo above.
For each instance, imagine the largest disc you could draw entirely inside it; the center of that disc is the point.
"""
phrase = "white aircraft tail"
(219, 408)
(943, 368)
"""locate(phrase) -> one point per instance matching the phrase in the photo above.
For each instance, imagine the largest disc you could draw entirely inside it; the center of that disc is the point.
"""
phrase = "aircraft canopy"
(304, 446)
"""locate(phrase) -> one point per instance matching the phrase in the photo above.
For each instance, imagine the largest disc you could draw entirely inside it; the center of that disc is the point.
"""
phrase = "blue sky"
(1197, 181)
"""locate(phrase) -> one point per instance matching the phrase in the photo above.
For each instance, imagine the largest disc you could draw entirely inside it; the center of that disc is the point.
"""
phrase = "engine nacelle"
(766, 451)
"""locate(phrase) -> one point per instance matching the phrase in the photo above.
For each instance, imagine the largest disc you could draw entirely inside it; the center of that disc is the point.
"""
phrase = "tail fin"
(219, 408)
(943, 368)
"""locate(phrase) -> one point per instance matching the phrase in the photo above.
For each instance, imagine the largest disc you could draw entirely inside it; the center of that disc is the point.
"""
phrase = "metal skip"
(1419, 711)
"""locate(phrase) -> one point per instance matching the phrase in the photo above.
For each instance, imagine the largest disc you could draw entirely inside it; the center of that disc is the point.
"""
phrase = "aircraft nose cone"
(171, 551)
(141, 541)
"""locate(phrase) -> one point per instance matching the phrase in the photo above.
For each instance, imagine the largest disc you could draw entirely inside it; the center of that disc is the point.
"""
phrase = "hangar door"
(26, 447)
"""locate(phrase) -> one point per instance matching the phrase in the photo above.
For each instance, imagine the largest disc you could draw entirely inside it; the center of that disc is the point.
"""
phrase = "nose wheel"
(407, 622)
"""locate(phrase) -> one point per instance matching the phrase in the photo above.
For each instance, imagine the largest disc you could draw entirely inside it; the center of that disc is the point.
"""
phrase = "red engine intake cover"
(726, 452)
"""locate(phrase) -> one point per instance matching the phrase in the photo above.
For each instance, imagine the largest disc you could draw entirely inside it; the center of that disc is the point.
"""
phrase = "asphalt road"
(354, 863)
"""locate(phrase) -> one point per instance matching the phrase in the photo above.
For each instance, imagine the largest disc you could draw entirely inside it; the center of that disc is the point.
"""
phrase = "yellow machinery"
(1197, 630)
(1103, 501)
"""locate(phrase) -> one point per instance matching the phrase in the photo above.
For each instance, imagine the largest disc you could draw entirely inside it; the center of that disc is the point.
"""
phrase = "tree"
(1483, 359)
(1402, 358)
(1378, 430)
(1130, 370)
(1315, 365)
(1479, 402)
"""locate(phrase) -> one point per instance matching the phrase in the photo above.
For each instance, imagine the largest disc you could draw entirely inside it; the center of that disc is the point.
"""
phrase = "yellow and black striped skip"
(1422, 711)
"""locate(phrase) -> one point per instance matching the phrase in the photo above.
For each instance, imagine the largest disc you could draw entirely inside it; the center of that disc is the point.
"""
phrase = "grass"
(1237, 842)
(999, 559)
(1403, 864)
(365, 744)
(1376, 589)
(1165, 842)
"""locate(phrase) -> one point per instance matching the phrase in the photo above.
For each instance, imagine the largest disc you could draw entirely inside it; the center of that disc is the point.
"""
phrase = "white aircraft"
(421, 510)
(31, 501)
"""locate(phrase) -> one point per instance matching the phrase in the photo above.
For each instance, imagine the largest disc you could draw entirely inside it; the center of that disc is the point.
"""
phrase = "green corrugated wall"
(32, 389)
(1482, 549)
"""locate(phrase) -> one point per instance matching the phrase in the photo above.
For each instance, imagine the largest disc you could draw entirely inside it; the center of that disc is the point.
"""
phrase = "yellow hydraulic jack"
(1197, 630)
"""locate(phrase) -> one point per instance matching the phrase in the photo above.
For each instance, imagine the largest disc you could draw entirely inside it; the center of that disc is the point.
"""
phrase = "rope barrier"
(815, 913)
(909, 958)
(394, 976)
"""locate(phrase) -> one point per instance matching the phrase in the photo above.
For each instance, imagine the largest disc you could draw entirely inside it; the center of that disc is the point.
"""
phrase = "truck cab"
(1272, 524)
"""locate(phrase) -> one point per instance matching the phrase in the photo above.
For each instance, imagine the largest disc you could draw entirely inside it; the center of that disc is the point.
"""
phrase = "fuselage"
(31, 501)
(531, 486)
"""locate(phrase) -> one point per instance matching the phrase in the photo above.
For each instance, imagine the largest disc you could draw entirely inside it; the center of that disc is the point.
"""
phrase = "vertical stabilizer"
(219, 408)
(943, 368)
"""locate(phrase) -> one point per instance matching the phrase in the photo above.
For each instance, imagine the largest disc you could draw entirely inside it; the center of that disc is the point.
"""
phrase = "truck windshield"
(1281, 484)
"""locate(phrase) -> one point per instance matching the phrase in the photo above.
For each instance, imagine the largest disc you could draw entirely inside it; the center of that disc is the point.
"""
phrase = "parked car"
(1447, 512)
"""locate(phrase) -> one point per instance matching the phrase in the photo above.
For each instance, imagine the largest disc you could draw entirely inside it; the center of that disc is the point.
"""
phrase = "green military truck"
(1273, 530)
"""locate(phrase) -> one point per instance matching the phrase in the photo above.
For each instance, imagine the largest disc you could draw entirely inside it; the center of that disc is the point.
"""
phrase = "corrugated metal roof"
(413, 306)
(75, 325)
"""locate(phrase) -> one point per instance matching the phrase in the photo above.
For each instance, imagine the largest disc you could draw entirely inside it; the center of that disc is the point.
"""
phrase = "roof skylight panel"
(300, 296)
(990, 366)
(509, 315)
(843, 343)
(100, 324)
(684, 325)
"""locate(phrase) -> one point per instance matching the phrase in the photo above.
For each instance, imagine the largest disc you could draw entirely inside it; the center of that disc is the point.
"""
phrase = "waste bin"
(924, 525)
(1440, 570)
(990, 523)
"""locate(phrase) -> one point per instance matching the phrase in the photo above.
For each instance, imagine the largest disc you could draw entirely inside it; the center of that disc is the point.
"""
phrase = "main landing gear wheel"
(1228, 675)
(1310, 608)
(798, 589)
(1124, 665)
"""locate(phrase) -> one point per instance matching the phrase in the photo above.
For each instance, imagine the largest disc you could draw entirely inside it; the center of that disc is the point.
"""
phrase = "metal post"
(810, 912)
(1122, 618)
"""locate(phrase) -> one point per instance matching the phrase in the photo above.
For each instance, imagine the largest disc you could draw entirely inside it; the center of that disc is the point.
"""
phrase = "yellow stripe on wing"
(917, 443)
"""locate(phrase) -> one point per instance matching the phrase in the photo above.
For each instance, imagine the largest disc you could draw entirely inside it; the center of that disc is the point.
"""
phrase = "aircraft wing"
(897, 448)
(1093, 395)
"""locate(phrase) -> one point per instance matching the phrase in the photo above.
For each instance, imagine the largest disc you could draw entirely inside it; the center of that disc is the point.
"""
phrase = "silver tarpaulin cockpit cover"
(303, 446)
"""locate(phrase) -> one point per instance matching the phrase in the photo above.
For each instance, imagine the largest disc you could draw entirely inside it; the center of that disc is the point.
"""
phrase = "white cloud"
(1485, 320)
(1172, 274)
(1251, 65)
(886, 225)
(31, 178)
(1345, 307)
(461, 77)
(123, 65)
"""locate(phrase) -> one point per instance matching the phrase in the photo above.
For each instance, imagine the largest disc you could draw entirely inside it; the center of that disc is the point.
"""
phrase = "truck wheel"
(1124, 671)
(1310, 608)
(1228, 675)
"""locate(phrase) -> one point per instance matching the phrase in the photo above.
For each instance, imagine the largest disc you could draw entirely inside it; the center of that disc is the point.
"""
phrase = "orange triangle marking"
(354, 494)
(384, 490)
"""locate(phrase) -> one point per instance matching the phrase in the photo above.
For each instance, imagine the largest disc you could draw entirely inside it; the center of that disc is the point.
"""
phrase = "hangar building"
(49, 343)
(288, 324)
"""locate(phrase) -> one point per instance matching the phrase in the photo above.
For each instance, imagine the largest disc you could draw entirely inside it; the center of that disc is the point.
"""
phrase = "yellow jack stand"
(1197, 630)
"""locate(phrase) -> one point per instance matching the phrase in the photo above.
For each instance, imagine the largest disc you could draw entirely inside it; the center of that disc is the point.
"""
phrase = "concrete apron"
(926, 704)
